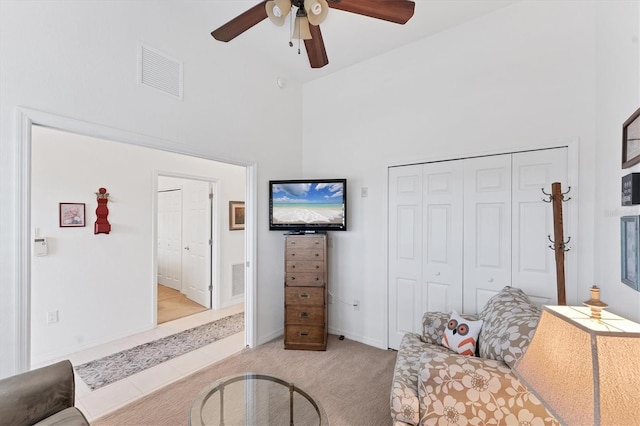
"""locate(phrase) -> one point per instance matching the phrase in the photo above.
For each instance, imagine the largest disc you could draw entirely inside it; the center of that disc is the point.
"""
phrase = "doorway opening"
(185, 260)
(100, 318)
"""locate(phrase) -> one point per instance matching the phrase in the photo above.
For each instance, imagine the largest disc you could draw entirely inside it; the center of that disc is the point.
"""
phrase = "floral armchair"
(433, 385)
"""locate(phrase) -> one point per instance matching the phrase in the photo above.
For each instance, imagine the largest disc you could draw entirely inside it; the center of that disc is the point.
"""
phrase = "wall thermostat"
(40, 246)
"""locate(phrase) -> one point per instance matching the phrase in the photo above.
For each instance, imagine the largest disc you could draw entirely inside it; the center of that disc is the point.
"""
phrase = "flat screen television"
(308, 205)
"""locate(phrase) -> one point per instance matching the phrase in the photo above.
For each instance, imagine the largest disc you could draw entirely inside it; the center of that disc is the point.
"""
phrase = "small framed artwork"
(631, 140)
(236, 215)
(630, 236)
(72, 215)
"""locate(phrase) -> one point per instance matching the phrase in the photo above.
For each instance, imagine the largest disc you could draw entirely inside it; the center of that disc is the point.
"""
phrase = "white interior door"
(487, 229)
(533, 268)
(405, 251)
(442, 241)
(196, 241)
(170, 239)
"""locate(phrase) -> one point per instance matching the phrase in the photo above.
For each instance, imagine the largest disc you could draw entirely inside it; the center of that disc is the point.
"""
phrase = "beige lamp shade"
(317, 11)
(278, 10)
(301, 28)
(585, 370)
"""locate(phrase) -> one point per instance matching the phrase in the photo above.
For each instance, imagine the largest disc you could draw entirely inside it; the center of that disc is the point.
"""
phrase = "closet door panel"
(534, 267)
(442, 235)
(487, 228)
(405, 252)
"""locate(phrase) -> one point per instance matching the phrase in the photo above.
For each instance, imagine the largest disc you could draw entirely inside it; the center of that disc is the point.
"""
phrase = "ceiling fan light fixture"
(277, 11)
(317, 11)
(301, 29)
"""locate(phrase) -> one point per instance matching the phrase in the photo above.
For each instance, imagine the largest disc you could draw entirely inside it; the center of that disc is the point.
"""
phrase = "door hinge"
(210, 287)
(210, 242)
(211, 195)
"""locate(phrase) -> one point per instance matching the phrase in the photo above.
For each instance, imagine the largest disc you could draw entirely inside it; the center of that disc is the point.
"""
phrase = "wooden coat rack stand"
(559, 245)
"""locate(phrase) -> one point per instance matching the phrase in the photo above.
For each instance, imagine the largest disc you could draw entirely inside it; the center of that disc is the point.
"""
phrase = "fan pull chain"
(291, 29)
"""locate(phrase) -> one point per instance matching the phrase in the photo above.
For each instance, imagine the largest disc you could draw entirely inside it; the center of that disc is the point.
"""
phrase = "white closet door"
(170, 239)
(405, 251)
(533, 268)
(442, 236)
(487, 229)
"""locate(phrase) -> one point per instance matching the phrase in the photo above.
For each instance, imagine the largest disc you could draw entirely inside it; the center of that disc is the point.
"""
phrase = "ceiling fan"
(309, 15)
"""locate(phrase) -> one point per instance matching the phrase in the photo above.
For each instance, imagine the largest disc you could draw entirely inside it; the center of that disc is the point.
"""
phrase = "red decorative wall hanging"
(102, 225)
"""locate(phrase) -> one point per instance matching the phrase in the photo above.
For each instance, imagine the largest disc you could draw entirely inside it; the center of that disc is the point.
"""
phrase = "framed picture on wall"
(236, 215)
(72, 215)
(631, 140)
(629, 240)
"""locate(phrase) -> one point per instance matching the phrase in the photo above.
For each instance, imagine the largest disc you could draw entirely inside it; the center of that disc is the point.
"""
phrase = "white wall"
(103, 285)
(521, 77)
(617, 97)
(77, 59)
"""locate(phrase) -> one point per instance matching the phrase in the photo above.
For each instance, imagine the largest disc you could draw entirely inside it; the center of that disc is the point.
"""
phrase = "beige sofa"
(44, 396)
(433, 385)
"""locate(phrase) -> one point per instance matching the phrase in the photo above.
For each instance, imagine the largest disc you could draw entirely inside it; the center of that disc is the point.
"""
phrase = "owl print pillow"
(461, 335)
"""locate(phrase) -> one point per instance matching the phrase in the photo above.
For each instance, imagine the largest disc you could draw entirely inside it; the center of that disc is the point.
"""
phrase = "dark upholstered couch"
(44, 396)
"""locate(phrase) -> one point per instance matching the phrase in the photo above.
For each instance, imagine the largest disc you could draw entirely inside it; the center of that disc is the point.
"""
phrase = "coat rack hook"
(548, 195)
(565, 193)
(561, 246)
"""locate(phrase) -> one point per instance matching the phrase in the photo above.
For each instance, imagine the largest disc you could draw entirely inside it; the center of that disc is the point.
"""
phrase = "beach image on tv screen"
(308, 203)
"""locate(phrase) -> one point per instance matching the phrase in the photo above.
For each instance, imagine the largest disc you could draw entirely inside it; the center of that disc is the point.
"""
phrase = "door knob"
(490, 280)
(186, 248)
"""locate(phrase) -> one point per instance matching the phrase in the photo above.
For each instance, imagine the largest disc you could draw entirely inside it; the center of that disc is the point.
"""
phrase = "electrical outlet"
(364, 192)
(52, 317)
(356, 305)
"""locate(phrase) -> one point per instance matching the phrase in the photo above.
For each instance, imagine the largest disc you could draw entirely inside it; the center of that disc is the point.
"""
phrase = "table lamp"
(585, 369)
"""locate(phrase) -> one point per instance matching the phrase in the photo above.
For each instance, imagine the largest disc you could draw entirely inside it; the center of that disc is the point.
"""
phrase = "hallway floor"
(95, 404)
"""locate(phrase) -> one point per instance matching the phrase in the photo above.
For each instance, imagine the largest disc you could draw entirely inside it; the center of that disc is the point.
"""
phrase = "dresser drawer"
(307, 296)
(304, 266)
(304, 243)
(305, 255)
(304, 279)
(304, 334)
(306, 315)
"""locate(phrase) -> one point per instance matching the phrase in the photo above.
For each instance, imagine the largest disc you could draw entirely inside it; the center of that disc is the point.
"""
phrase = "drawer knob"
(304, 333)
(293, 266)
(304, 315)
(293, 278)
(317, 266)
(304, 295)
(293, 254)
(317, 278)
(317, 254)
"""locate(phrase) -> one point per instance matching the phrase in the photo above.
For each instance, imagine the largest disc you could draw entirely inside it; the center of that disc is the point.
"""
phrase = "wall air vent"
(237, 279)
(157, 70)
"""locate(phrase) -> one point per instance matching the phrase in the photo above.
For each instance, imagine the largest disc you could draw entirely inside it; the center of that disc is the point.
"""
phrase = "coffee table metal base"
(255, 399)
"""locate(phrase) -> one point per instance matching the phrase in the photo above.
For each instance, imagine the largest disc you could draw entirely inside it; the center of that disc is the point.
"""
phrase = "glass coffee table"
(255, 399)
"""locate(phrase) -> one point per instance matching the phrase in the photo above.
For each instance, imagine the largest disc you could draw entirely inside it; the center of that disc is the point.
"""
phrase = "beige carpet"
(352, 381)
(173, 305)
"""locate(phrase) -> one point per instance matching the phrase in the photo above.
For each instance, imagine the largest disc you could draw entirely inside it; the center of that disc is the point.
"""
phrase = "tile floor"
(95, 404)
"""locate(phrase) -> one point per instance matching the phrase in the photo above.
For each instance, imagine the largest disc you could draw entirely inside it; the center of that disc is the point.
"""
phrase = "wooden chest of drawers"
(305, 292)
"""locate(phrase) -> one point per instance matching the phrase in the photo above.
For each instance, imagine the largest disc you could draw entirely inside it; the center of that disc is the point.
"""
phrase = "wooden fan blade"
(315, 48)
(397, 11)
(241, 23)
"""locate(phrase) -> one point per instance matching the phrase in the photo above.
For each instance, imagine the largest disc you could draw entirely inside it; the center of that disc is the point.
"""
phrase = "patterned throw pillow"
(510, 321)
(461, 335)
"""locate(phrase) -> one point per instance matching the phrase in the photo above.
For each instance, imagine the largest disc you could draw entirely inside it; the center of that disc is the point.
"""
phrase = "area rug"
(110, 369)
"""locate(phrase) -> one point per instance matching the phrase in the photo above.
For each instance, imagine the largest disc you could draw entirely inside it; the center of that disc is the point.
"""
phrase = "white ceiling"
(348, 38)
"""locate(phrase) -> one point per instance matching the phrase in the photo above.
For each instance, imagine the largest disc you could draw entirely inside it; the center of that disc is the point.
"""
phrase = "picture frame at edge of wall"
(631, 140)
